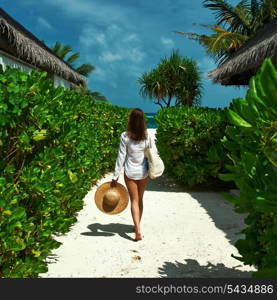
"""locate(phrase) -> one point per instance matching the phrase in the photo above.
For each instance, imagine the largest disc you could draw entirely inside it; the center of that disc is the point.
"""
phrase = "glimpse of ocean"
(151, 123)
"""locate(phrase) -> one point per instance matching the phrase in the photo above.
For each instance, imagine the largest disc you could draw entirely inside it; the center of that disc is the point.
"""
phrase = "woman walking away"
(131, 155)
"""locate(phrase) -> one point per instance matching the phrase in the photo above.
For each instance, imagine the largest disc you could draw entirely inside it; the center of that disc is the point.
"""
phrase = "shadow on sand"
(223, 214)
(224, 217)
(111, 229)
(221, 211)
(192, 269)
(167, 183)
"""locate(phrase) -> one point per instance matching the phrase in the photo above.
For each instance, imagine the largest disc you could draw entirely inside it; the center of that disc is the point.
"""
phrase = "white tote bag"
(155, 163)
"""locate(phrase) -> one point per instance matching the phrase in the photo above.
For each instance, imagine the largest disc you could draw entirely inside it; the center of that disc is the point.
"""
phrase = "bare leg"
(134, 197)
(141, 188)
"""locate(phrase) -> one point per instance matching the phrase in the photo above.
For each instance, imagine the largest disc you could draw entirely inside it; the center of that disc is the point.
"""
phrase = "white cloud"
(44, 23)
(91, 37)
(167, 42)
(110, 57)
(135, 54)
(131, 37)
(113, 30)
(112, 44)
(127, 54)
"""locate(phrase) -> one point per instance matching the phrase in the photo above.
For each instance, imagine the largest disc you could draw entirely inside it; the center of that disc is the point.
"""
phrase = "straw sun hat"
(111, 200)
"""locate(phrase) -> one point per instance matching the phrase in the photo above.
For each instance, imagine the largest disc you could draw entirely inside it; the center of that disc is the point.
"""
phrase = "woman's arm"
(120, 158)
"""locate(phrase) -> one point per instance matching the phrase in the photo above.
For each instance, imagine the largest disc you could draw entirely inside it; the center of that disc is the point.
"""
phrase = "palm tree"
(96, 95)
(85, 69)
(175, 77)
(234, 25)
(84, 91)
(63, 50)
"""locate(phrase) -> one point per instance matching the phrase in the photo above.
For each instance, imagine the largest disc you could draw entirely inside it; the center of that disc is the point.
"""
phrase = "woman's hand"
(113, 183)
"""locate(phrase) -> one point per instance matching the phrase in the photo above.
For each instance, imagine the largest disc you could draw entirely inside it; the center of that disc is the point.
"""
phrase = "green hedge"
(188, 139)
(252, 143)
(54, 144)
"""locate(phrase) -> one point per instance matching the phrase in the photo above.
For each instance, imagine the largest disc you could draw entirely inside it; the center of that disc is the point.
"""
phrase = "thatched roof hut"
(20, 43)
(244, 63)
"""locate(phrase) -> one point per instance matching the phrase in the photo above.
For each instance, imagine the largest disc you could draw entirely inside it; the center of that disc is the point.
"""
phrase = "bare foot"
(138, 236)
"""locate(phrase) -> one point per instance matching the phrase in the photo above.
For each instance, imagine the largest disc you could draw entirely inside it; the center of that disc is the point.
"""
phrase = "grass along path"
(186, 234)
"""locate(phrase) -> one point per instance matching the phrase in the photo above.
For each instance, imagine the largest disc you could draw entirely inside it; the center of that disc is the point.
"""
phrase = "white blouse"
(131, 156)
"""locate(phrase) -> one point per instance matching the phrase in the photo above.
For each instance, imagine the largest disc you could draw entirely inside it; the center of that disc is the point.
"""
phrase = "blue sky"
(124, 39)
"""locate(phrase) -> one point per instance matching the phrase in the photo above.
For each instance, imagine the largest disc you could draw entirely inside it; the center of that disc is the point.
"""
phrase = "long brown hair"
(137, 125)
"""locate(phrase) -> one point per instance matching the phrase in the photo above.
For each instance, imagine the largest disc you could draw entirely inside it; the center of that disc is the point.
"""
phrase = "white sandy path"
(186, 234)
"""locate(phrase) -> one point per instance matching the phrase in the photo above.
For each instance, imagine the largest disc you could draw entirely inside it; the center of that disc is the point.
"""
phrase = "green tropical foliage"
(54, 144)
(189, 142)
(176, 77)
(97, 96)
(63, 51)
(234, 25)
(252, 146)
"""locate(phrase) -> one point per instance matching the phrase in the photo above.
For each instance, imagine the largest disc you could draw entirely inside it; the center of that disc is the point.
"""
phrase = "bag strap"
(150, 144)
(148, 139)
(145, 141)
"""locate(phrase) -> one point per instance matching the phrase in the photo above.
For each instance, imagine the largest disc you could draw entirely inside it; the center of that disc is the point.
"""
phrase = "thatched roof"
(19, 42)
(245, 62)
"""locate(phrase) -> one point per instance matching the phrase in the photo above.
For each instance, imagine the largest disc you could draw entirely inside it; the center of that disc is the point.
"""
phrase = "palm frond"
(236, 18)
(244, 17)
(97, 96)
(268, 10)
(71, 59)
(56, 48)
(64, 50)
(224, 12)
(85, 69)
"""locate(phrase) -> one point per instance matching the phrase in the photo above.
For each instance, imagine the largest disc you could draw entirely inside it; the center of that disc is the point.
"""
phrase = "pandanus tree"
(234, 25)
(176, 77)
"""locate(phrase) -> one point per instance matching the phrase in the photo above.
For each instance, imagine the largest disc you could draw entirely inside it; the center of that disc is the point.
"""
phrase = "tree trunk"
(158, 102)
(164, 101)
(169, 100)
